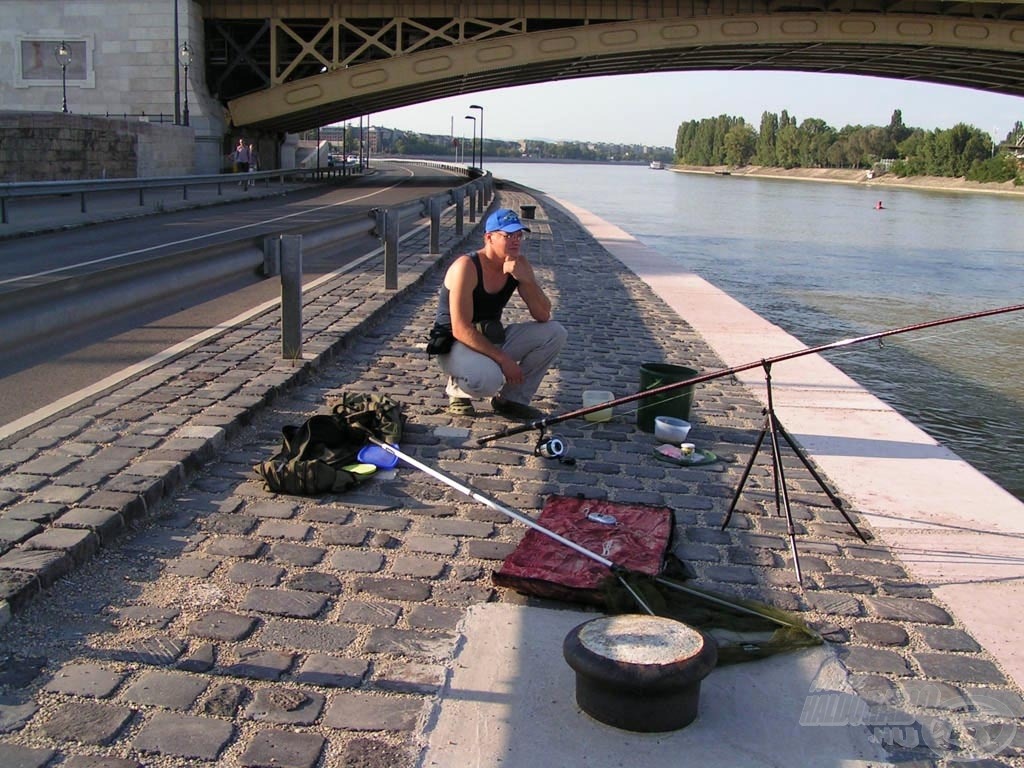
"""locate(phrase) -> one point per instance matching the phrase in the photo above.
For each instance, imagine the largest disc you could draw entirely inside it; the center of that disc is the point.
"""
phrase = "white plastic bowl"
(668, 429)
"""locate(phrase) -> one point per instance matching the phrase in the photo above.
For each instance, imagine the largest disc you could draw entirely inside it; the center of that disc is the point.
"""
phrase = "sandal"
(461, 406)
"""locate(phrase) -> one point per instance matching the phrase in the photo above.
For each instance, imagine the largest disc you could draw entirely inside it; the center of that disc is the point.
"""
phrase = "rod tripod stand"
(773, 428)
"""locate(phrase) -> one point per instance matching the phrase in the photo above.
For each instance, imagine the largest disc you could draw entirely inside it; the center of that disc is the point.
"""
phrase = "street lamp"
(477, 106)
(472, 162)
(185, 57)
(177, 74)
(63, 54)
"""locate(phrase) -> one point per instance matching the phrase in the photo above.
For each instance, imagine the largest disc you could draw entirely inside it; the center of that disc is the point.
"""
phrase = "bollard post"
(472, 205)
(435, 225)
(460, 211)
(291, 297)
(271, 255)
(482, 200)
(391, 250)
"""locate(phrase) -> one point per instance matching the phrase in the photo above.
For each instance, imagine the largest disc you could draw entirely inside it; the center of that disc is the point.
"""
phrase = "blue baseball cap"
(504, 220)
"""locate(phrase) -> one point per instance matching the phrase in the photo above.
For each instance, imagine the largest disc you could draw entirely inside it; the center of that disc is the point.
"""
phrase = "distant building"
(335, 133)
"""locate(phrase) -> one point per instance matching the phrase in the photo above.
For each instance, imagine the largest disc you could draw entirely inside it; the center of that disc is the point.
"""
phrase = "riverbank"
(364, 629)
(860, 177)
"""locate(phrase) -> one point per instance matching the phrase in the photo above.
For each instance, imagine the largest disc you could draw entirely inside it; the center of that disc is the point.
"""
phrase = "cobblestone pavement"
(168, 611)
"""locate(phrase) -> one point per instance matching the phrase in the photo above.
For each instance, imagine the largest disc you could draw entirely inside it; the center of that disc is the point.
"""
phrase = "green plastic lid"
(360, 469)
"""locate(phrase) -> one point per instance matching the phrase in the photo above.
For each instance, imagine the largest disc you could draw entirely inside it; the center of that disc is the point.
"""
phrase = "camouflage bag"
(313, 455)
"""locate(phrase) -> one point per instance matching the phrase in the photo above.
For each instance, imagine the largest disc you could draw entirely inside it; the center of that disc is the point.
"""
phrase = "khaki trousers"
(533, 345)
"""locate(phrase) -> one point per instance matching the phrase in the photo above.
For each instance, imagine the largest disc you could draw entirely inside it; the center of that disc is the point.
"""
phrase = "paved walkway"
(168, 611)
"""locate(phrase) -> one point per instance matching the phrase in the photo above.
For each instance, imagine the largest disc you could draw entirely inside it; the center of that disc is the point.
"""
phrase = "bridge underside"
(294, 74)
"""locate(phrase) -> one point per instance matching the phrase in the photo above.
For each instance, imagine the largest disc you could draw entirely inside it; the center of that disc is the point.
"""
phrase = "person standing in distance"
(480, 357)
(242, 158)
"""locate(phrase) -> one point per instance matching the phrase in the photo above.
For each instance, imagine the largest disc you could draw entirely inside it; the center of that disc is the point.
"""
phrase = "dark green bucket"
(676, 402)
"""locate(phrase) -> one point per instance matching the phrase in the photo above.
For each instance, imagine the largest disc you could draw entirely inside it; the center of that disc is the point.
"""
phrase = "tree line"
(418, 144)
(960, 151)
(394, 141)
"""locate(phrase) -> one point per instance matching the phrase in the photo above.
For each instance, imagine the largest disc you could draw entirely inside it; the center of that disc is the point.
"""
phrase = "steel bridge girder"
(905, 46)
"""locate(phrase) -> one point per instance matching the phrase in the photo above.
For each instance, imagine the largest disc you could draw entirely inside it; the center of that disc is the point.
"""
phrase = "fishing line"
(936, 336)
(948, 333)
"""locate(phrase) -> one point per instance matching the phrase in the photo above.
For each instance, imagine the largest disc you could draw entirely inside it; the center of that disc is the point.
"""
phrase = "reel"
(553, 447)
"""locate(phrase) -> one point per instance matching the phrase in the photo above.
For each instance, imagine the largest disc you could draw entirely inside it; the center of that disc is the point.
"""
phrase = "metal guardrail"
(82, 188)
(443, 164)
(142, 117)
(285, 251)
(27, 313)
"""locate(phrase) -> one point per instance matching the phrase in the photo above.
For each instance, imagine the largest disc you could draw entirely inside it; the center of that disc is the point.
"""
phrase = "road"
(34, 377)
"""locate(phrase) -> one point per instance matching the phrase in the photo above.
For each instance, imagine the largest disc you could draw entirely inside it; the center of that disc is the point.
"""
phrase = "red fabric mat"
(637, 541)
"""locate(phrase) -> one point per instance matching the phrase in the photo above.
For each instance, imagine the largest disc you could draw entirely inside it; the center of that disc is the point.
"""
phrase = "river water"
(819, 261)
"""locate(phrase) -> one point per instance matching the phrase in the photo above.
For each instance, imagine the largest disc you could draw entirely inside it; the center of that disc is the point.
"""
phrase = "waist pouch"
(440, 340)
(493, 330)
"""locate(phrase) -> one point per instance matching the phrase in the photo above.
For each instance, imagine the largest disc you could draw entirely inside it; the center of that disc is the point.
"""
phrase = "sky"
(647, 109)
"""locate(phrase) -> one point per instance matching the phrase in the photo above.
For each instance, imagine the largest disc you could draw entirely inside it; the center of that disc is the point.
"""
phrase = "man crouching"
(481, 357)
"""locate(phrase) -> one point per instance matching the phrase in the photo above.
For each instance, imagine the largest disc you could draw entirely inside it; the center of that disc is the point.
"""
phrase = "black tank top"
(486, 306)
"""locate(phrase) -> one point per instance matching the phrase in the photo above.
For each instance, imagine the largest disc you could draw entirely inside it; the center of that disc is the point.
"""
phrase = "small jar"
(594, 397)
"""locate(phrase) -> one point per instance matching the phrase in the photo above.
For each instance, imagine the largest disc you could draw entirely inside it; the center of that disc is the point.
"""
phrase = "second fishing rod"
(542, 424)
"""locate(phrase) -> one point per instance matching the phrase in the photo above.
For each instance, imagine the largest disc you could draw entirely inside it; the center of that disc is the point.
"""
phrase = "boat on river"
(657, 165)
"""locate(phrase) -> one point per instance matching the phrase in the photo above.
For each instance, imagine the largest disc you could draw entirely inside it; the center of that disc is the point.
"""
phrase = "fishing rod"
(497, 506)
(619, 571)
(542, 424)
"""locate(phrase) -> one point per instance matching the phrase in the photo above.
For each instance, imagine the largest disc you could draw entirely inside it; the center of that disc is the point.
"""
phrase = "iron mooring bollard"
(291, 297)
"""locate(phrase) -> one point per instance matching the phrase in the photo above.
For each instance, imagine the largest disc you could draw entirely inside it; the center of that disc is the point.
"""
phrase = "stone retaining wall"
(52, 146)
